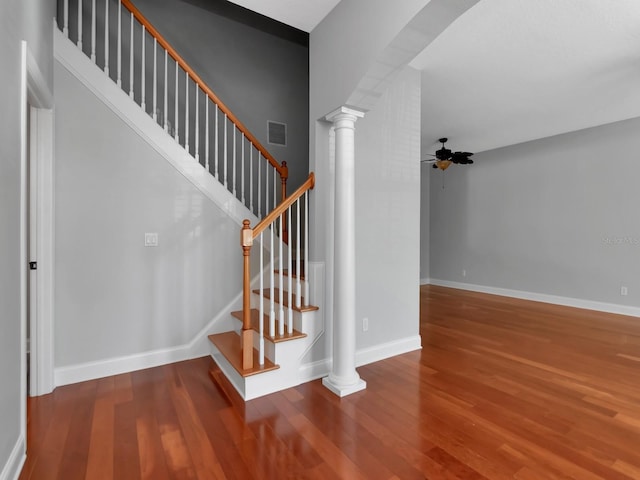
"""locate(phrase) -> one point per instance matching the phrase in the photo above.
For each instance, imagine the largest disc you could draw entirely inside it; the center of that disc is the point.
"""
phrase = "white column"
(343, 379)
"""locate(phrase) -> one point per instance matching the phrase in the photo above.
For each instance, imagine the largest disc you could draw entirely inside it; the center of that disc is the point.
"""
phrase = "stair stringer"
(90, 75)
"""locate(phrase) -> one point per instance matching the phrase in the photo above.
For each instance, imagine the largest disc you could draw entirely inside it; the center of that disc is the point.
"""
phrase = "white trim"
(425, 281)
(125, 364)
(387, 350)
(13, 467)
(42, 358)
(24, 219)
(543, 297)
(94, 79)
(321, 368)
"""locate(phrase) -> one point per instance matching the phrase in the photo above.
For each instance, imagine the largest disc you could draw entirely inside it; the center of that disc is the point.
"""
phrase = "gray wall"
(425, 188)
(115, 297)
(555, 216)
(30, 20)
(258, 74)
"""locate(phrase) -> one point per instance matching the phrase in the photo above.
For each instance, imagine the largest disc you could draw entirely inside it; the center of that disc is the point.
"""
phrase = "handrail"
(280, 209)
(281, 169)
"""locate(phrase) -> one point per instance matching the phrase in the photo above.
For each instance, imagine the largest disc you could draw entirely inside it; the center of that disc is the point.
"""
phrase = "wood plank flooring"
(502, 389)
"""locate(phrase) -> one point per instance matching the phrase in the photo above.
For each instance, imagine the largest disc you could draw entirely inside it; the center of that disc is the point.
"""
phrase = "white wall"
(114, 296)
(388, 215)
(29, 20)
(556, 216)
(342, 50)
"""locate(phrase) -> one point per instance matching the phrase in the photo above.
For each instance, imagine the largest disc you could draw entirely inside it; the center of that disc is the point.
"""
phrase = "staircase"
(201, 137)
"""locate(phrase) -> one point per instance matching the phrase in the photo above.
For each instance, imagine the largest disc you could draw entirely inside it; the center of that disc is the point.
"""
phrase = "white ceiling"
(302, 14)
(509, 71)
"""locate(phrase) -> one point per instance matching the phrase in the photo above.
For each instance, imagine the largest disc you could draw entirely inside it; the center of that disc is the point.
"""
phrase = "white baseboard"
(322, 368)
(115, 366)
(387, 350)
(15, 462)
(425, 281)
(542, 297)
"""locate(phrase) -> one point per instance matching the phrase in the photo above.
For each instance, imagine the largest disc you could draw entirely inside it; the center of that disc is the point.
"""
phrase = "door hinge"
(33, 265)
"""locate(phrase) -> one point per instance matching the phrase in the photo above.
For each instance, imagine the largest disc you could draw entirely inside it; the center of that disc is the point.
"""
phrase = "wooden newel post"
(284, 175)
(246, 240)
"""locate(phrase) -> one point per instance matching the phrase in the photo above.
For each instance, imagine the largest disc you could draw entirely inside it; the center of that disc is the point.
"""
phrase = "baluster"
(266, 188)
(65, 19)
(251, 177)
(155, 79)
(93, 31)
(119, 45)
(242, 169)
(275, 186)
(272, 309)
(289, 278)
(306, 247)
(79, 43)
(166, 92)
(224, 155)
(131, 57)
(234, 161)
(106, 37)
(143, 75)
(259, 186)
(298, 271)
(280, 280)
(261, 307)
(186, 111)
(215, 144)
(206, 132)
(197, 125)
(176, 136)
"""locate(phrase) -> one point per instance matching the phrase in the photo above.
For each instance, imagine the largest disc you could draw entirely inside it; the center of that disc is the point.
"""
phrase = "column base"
(343, 390)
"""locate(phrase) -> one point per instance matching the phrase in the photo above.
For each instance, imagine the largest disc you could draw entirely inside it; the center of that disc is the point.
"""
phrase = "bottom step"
(228, 344)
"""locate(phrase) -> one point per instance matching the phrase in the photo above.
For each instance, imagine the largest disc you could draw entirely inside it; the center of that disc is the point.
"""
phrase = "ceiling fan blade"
(429, 160)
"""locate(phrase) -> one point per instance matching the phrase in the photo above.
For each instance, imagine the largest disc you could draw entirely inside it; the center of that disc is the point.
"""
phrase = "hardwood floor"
(502, 389)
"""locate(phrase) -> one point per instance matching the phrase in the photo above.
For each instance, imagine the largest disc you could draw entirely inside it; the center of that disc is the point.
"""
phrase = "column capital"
(344, 113)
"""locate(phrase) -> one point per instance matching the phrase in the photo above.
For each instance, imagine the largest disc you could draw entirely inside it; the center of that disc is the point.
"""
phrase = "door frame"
(37, 97)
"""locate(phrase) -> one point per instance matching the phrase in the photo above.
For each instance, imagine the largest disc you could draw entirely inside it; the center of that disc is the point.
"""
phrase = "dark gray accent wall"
(258, 67)
(556, 216)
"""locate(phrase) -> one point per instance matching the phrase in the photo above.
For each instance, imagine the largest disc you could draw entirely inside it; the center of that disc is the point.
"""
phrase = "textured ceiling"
(509, 71)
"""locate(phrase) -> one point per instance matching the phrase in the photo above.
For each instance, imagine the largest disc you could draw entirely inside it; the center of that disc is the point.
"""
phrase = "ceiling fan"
(445, 157)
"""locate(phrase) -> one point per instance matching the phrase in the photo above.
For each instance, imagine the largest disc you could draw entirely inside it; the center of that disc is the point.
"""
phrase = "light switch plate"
(151, 239)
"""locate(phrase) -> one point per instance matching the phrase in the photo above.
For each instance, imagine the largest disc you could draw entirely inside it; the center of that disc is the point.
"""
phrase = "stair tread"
(276, 292)
(255, 324)
(285, 273)
(228, 343)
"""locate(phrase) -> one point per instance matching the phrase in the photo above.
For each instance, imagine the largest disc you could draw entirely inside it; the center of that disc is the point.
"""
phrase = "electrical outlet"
(365, 324)
(623, 291)
(464, 273)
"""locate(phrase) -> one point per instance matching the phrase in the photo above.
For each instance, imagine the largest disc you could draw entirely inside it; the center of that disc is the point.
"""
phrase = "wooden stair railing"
(274, 222)
(168, 69)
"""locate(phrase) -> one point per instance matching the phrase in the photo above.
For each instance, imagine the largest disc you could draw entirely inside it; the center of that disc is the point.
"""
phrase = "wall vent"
(277, 133)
